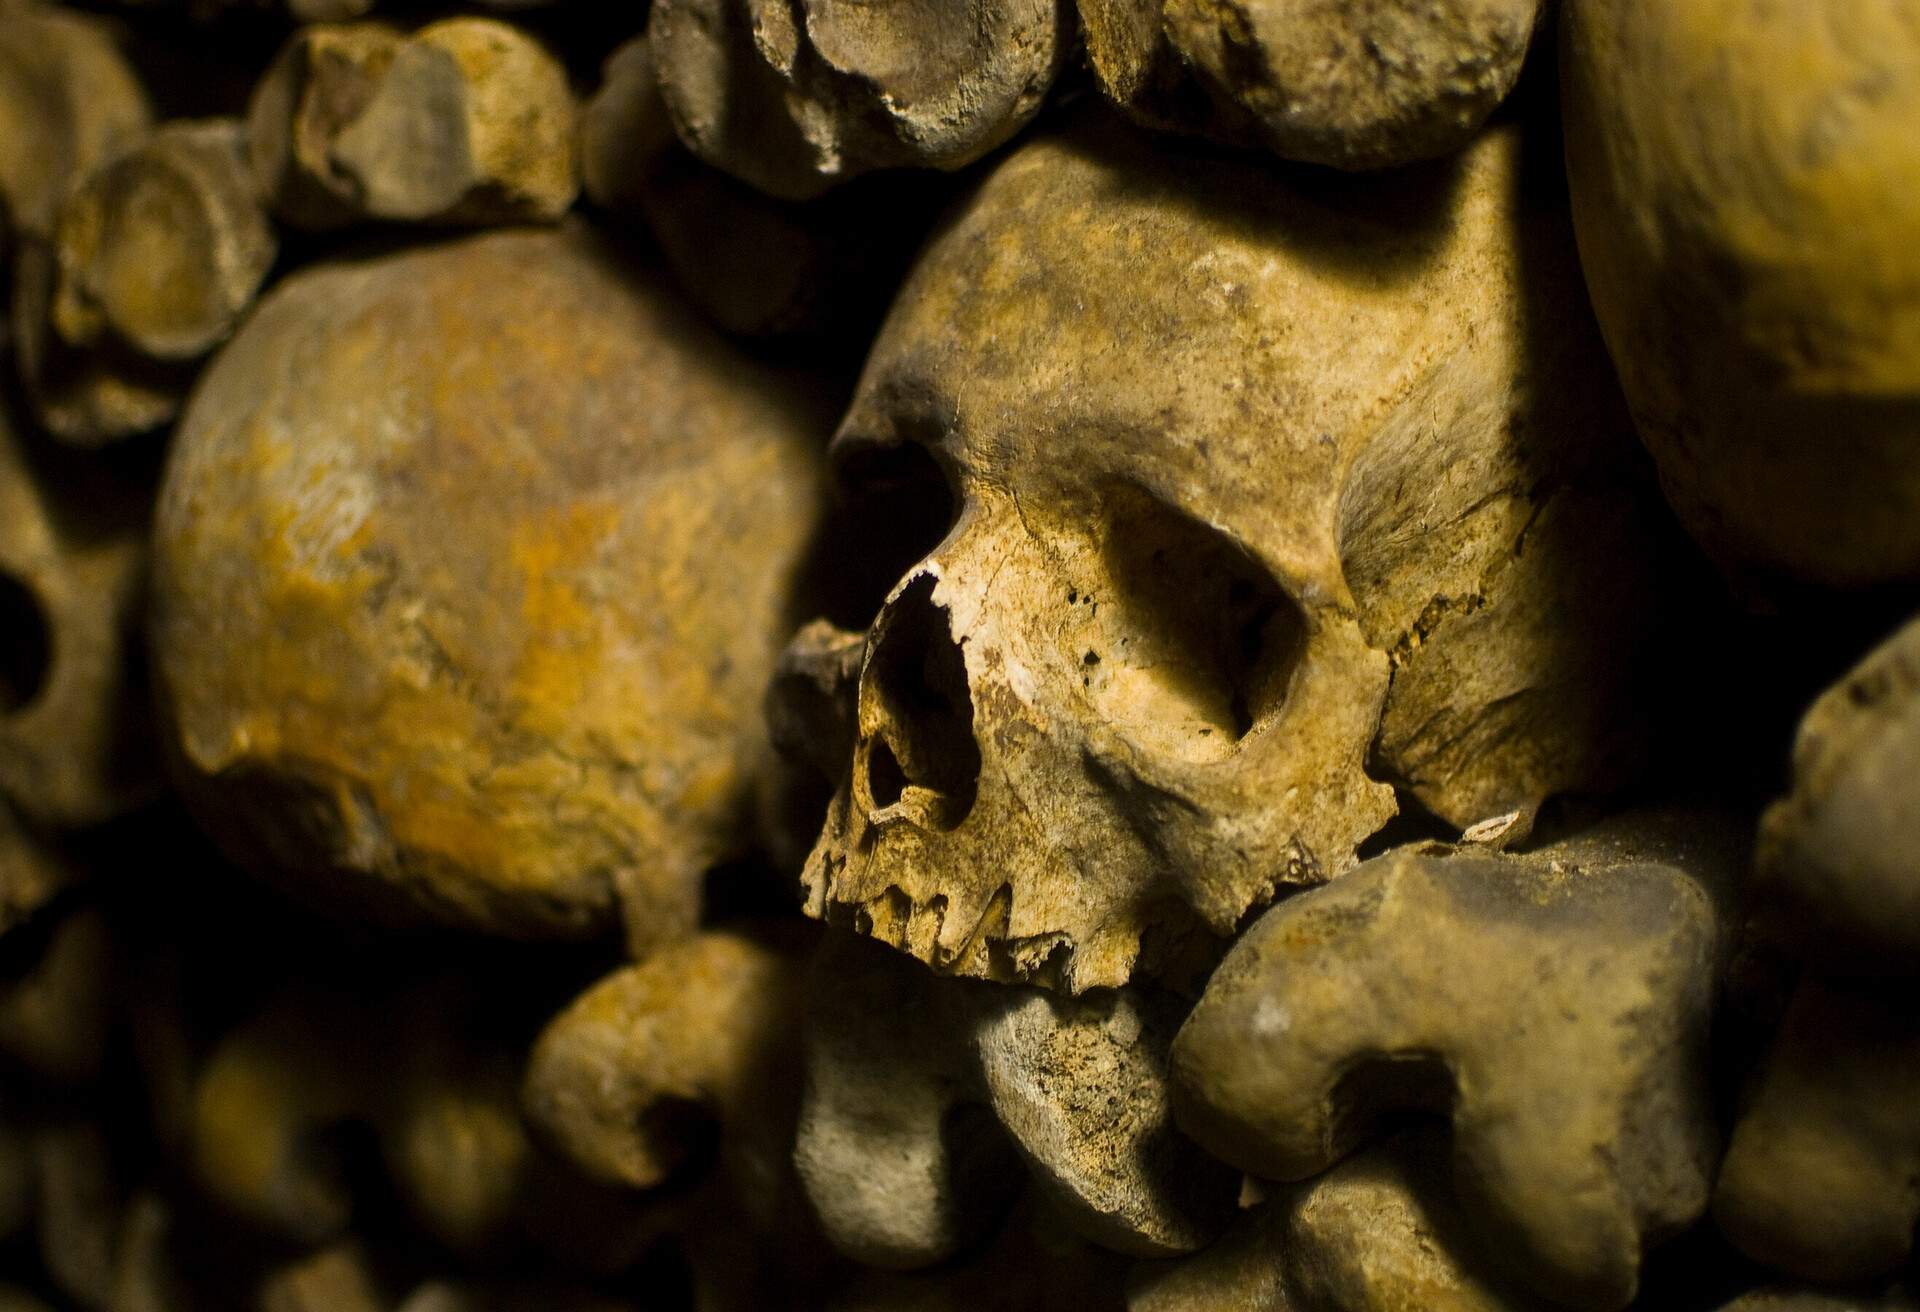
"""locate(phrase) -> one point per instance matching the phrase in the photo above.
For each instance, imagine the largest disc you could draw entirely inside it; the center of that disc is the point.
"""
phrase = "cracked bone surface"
(1820, 1177)
(75, 731)
(1194, 616)
(69, 102)
(153, 260)
(794, 99)
(1553, 1004)
(1843, 848)
(470, 563)
(467, 121)
(1356, 84)
(1746, 186)
(911, 1138)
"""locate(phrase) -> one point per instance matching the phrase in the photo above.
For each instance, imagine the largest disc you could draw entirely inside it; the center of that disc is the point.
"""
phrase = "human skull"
(1275, 491)
(493, 539)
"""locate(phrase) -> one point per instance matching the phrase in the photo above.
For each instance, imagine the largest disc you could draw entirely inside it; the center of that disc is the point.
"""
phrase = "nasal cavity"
(918, 677)
(26, 646)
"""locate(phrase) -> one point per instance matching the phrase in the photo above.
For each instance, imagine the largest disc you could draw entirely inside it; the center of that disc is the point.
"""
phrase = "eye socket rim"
(1235, 700)
(879, 530)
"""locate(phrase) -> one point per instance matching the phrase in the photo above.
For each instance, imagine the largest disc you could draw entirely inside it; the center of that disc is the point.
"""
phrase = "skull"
(1274, 491)
(466, 687)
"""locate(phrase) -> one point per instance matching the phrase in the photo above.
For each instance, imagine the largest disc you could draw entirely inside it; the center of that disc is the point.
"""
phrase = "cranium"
(613, 423)
(1274, 490)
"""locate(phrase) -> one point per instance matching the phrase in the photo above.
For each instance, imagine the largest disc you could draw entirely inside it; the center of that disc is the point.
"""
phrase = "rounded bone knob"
(1554, 1005)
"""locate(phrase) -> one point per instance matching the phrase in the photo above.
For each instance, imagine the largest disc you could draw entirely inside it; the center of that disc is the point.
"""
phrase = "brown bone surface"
(75, 729)
(1822, 1177)
(153, 261)
(1349, 83)
(1746, 185)
(69, 102)
(677, 1080)
(1380, 1232)
(1270, 490)
(1553, 1004)
(468, 121)
(912, 1138)
(794, 98)
(470, 561)
(1842, 850)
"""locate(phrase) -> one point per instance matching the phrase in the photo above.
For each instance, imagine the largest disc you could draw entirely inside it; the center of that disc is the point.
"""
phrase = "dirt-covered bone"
(810, 703)
(57, 1009)
(793, 99)
(299, 11)
(1356, 84)
(1380, 1232)
(1894, 1299)
(76, 738)
(69, 102)
(467, 121)
(63, 1199)
(321, 81)
(756, 265)
(151, 264)
(507, 1295)
(87, 396)
(33, 871)
(164, 248)
(1271, 489)
(1822, 1177)
(1554, 1005)
(1080, 1087)
(1033, 1263)
(79, 1206)
(1840, 855)
(338, 1278)
(1746, 186)
(470, 564)
(692, 1049)
(419, 1082)
(676, 1079)
(624, 129)
(902, 1165)
(912, 1138)
(264, 1098)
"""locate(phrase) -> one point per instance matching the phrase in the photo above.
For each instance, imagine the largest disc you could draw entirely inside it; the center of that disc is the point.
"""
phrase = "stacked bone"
(959, 655)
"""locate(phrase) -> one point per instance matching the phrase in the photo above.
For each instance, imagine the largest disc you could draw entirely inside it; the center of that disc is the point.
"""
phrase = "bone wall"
(905, 655)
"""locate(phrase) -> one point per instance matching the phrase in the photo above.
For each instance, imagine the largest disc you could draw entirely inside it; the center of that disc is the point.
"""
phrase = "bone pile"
(960, 656)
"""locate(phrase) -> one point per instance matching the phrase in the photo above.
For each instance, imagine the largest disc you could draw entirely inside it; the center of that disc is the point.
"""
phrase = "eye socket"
(1196, 642)
(894, 506)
